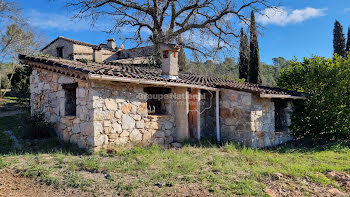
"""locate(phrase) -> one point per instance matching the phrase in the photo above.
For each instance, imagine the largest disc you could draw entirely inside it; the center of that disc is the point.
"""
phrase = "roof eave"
(282, 96)
(148, 82)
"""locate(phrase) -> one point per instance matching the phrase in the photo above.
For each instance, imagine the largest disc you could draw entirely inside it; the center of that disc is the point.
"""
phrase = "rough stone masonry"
(106, 113)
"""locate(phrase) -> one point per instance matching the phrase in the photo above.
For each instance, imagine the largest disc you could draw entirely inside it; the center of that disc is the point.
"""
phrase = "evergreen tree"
(338, 39)
(254, 63)
(348, 42)
(181, 56)
(243, 56)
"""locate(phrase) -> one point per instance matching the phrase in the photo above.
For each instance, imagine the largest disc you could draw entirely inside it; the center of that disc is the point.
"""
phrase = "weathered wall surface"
(108, 55)
(263, 123)
(48, 97)
(67, 48)
(250, 120)
(121, 115)
(111, 113)
(82, 52)
(107, 113)
(235, 108)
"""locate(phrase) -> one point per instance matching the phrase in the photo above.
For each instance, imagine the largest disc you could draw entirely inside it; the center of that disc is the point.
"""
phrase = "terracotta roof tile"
(103, 46)
(141, 71)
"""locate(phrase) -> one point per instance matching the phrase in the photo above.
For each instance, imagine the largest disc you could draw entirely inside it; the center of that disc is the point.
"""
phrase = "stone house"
(108, 103)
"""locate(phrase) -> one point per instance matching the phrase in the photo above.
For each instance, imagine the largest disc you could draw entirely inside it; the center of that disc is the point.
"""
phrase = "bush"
(4, 82)
(37, 127)
(325, 114)
(20, 82)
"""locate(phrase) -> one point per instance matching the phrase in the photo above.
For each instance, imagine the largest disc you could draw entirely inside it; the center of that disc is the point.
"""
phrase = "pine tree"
(254, 63)
(243, 56)
(338, 39)
(348, 42)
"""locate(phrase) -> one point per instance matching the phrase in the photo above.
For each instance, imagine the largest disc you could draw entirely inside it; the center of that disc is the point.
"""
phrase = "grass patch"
(3, 163)
(226, 170)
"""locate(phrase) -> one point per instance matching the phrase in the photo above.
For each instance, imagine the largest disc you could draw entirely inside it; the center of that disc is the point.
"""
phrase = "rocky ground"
(13, 184)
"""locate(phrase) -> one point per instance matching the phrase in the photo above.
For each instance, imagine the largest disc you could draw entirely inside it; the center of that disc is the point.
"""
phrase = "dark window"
(166, 54)
(155, 99)
(70, 98)
(59, 52)
(281, 123)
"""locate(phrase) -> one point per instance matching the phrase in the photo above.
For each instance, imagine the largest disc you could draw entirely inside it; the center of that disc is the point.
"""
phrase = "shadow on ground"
(53, 145)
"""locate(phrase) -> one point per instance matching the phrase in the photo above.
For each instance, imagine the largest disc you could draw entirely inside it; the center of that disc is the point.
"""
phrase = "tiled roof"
(104, 46)
(135, 71)
(136, 52)
(70, 40)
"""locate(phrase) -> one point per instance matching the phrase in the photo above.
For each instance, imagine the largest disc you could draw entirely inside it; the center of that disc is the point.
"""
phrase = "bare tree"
(205, 26)
(17, 40)
(9, 11)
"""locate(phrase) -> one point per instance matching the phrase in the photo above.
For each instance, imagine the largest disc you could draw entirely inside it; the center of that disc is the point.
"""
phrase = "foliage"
(36, 126)
(20, 82)
(243, 56)
(229, 69)
(348, 42)
(4, 81)
(326, 111)
(269, 74)
(182, 56)
(17, 40)
(226, 69)
(254, 63)
(338, 39)
(84, 60)
(280, 62)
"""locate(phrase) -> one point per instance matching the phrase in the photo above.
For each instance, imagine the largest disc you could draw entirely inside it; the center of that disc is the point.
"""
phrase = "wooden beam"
(217, 109)
(281, 96)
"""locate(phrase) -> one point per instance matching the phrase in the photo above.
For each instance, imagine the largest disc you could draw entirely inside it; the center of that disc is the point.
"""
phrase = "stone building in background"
(110, 100)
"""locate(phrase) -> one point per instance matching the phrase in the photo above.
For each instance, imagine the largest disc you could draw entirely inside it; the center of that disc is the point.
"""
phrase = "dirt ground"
(12, 184)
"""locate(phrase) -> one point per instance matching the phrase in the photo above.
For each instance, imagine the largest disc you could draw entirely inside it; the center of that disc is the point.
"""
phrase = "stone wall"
(250, 120)
(106, 113)
(67, 48)
(121, 116)
(48, 97)
(82, 52)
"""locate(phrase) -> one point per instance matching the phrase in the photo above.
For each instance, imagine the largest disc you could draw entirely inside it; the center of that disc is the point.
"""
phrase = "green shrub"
(4, 81)
(20, 82)
(325, 114)
(2, 163)
(37, 127)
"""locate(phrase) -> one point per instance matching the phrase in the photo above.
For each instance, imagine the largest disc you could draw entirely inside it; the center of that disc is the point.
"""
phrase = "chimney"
(170, 61)
(111, 43)
(97, 55)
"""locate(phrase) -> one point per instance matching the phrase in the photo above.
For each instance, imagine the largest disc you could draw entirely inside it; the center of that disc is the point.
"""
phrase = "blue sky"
(300, 28)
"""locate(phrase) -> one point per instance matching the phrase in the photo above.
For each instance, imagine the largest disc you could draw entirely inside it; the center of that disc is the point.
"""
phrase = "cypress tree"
(348, 42)
(243, 56)
(181, 56)
(254, 63)
(338, 39)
